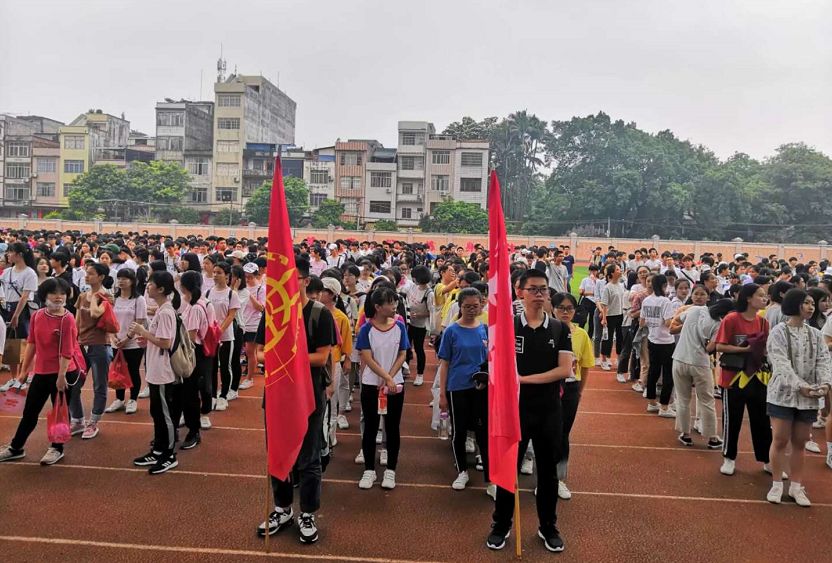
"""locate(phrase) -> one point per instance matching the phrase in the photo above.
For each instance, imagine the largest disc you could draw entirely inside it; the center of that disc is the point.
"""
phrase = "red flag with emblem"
(503, 383)
(289, 397)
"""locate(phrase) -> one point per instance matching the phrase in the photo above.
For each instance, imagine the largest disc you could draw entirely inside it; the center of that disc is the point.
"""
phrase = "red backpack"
(211, 340)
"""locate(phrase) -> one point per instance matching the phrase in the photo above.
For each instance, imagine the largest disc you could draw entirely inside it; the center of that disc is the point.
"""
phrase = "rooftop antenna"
(220, 67)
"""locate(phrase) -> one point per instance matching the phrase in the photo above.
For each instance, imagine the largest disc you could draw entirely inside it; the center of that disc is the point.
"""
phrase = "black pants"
(392, 420)
(222, 364)
(307, 469)
(164, 427)
(417, 338)
(43, 386)
(613, 330)
(734, 401)
(590, 307)
(186, 395)
(236, 359)
(133, 357)
(569, 403)
(469, 412)
(626, 348)
(661, 365)
(203, 368)
(542, 424)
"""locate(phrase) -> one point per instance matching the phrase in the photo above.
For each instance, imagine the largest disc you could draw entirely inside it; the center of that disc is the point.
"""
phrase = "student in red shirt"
(52, 342)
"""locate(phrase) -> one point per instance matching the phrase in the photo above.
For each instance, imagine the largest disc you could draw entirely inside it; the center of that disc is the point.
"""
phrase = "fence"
(581, 246)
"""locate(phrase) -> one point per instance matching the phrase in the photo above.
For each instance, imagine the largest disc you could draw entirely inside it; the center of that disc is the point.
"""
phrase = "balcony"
(414, 174)
(256, 173)
(410, 149)
(408, 197)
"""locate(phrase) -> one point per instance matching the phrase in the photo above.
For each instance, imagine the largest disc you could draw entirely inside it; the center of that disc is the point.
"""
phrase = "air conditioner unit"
(34, 174)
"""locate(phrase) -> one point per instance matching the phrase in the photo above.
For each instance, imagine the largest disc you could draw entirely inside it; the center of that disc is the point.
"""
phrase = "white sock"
(794, 486)
(777, 483)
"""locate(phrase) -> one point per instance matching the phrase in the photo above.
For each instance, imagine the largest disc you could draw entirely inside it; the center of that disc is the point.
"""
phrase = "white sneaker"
(817, 424)
(667, 413)
(491, 490)
(7, 385)
(382, 458)
(419, 380)
(222, 404)
(527, 467)
(144, 393)
(130, 407)
(644, 393)
(359, 459)
(621, 377)
(638, 387)
(348, 408)
(246, 383)
(213, 403)
(697, 426)
(652, 407)
(51, 457)
(728, 466)
(597, 362)
(470, 447)
(812, 446)
(829, 460)
(798, 493)
(368, 478)
(232, 395)
(116, 405)
(563, 491)
(389, 481)
(775, 494)
(460, 481)
(767, 469)
(181, 420)
(405, 369)
(606, 366)
(379, 437)
(204, 422)
(343, 423)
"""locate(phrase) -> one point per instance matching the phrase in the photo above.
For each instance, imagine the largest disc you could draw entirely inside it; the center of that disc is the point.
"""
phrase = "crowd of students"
(683, 331)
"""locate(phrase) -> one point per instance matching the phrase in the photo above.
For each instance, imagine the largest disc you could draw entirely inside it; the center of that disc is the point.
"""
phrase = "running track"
(637, 496)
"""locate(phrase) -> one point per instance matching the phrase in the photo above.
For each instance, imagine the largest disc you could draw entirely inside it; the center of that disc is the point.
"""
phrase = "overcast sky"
(732, 75)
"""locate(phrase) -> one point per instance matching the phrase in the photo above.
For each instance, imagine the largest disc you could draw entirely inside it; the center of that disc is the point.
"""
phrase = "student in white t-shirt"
(129, 308)
(382, 342)
(656, 315)
(252, 311)
(226, 304)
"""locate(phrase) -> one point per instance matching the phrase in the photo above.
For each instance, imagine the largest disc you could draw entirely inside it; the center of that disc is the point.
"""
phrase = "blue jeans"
(98, 357)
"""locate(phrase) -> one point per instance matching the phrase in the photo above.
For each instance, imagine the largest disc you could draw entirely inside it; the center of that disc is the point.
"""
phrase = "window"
(68, 188)
(198, 167)
(381, 179)
(439, 183)
(170, 118)
(379, 207)
(350, 182)
(228, 169)
(318, 177)
(17, 171)
(17, 149)
(407, 188)
(228, 100)
(46, 189)
(169, 143)
(350, 207)
(411, 163)
(199, 195)
(315, 200)
(74, 166)
(228, 146)
(412, 138)
(470, 185)
(17, 193)
(228, 123)
(47, 165)
(75, 142)
(472, 159)
(407, 213)
(441, 157)
(350, 159)
(249, 188)
(226, 194)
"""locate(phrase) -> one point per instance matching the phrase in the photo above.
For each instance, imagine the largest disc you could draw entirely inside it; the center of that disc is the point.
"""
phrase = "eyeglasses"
(537, 290)
(470, 307)
(566, 309)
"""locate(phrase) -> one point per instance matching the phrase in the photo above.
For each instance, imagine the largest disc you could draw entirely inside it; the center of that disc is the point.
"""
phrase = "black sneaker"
(163, 464)
(278, 520)
(685, 440)
(191, 441)
(147, 459)
(714, 444)
(497, 538)
(308, 528)
(551, 539)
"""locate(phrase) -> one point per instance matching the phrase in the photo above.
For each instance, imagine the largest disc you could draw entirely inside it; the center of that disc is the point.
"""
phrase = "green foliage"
(297, 201)
(53, 215)
(227, 216)
(180, 213)
(385, 225)
(456, 217)
(328, 213)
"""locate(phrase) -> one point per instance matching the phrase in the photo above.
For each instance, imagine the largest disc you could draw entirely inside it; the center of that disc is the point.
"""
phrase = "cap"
(332, 246)
(738, 256)
(333, 285)
(251, 268)
(238, 254)
(113, 248)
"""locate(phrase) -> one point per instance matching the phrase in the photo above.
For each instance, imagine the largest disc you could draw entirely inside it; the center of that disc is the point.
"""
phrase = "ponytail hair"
(23, 249)
(192, 281)
(164, 281)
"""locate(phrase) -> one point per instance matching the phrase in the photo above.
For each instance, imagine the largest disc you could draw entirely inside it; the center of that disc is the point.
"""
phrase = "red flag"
(289, 398)
(503, 383)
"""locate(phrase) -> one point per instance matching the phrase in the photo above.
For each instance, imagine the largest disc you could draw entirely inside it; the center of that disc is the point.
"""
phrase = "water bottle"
(444, 426)
(605, 334)
(382, 400)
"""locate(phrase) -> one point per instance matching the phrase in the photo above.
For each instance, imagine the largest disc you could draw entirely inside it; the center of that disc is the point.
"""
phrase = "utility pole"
(608, 228)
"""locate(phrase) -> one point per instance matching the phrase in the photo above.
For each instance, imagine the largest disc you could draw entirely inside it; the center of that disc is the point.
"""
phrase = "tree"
(456, 217)
(329, 213)
(385, 225)
(469, 129)
(227, 216)
(297, 201)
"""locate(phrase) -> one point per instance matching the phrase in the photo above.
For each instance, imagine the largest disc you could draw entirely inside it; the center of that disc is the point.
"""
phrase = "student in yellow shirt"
(446, 289)
(564, 306)
(340, 353)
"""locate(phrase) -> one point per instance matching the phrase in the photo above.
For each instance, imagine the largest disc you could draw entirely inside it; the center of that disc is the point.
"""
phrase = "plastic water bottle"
(444, 426)
(382, 400)
(605, 334)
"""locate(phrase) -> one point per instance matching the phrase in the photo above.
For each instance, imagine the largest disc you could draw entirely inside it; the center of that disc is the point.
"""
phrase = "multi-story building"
(380, 182)
(457, 170)
(248, 110)
(411, 180)
(351, 159)
(46, 157)
(319, 174)
(258, 167)
(185, 135)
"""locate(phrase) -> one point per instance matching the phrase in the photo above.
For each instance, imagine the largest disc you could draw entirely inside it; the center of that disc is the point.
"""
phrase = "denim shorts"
(789, 413)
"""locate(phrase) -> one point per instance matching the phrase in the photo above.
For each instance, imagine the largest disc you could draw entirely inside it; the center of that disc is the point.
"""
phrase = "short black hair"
(792, 301)
(529, 274)
(53, 285)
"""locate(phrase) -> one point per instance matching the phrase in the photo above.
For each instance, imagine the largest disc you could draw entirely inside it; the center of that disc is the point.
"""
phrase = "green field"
(578, 275)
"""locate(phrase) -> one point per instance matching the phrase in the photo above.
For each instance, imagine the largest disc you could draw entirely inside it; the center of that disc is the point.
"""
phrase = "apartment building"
(249, 110)
(380, 182)
(457, 170)
(319, 174)
(411, 178)
(185, 135)
(351, 159)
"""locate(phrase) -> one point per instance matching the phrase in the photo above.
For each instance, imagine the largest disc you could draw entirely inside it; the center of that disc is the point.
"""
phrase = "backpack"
(182, 356)
(314, 317)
